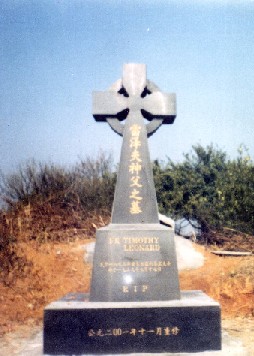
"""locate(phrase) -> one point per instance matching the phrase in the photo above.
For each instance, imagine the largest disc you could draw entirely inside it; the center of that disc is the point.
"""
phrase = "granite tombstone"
(135, 256)
(134, 304)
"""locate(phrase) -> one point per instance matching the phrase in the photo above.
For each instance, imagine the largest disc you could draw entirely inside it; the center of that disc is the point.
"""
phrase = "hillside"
(47, 263)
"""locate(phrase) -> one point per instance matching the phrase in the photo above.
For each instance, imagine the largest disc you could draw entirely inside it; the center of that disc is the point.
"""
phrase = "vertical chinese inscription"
(134, 170)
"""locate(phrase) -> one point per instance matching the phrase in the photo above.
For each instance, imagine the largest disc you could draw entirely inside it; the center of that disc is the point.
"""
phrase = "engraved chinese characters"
(158, 331)
(134, 170)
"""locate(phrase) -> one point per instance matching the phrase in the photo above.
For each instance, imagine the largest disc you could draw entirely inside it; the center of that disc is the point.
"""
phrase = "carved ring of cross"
(137, 94)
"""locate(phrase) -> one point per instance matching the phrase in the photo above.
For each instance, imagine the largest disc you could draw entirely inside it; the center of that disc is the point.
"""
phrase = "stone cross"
(134, 257)
(134, 94)
(133, 99)
(135, 305)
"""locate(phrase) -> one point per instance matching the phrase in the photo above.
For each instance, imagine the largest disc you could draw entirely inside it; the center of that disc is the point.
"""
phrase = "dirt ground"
(58, 268)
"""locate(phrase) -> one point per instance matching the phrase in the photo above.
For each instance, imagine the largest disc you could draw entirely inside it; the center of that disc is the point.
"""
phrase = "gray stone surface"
(131, 93)
(134, 256)
(191, 324)
(135, 198)
(187, 256)
(134, 262)
(33, 347)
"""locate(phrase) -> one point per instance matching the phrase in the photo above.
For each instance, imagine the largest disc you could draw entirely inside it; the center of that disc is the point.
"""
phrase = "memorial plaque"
(135, 264)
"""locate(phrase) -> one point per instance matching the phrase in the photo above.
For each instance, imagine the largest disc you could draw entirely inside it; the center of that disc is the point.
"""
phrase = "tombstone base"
(75, 326)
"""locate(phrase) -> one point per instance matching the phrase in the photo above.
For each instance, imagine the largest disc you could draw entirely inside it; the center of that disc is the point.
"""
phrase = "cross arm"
(159, 105)
(108, 105)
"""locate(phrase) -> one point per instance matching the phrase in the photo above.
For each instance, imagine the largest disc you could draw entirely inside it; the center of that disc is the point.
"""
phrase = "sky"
(54, 54)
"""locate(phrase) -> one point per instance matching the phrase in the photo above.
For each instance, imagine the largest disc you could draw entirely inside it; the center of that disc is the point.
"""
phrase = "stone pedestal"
(75, 326)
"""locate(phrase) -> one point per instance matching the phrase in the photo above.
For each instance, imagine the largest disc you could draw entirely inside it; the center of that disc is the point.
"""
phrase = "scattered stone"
(231, 253)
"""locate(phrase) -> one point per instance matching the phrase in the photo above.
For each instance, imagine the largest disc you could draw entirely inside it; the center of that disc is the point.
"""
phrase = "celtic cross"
(134, 93)
(133, 99)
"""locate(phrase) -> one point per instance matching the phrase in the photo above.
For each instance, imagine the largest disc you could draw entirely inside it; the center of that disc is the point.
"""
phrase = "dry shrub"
(89, 184)
(231, 240)
(14, 264)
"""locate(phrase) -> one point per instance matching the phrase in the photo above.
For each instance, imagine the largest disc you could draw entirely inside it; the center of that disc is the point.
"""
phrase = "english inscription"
(139, 244)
